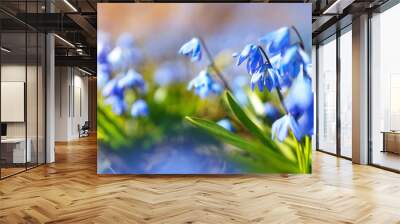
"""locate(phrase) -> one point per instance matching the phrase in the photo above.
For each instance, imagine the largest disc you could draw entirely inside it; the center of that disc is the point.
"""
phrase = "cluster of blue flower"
(282, 65)
(116, 75)
(203, 84)
(285, 67)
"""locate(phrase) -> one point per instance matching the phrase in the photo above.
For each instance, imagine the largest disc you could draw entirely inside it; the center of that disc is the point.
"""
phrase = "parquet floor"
(70, 191)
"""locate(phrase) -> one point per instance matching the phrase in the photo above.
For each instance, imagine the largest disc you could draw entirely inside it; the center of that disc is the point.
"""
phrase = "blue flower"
(258, 78)
(287, 70)
(111, 88)
(300, 95)
(306, 121)
(103, 48)
(124, 55)
(276, 41)
(117, 103)
(292, 59)
(281, 127)
(276, 78)
(103, 66)
(132, 79)
(204, 85)
(244, 54)
(102, 54)
(271, 111)
(103, 74)
(254, 57)
(192, 48)
(272, 79)
(225, 123)
(139, 108)
(266, 76)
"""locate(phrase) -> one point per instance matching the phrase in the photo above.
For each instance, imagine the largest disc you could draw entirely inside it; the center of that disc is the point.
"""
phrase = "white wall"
(62, 81)
(71, 102)
(12, 73)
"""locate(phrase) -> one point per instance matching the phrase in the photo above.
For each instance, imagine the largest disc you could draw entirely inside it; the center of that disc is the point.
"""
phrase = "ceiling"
(75, 22)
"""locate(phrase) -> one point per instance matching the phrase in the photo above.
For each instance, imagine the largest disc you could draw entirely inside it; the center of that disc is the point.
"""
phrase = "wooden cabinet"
(391, 142)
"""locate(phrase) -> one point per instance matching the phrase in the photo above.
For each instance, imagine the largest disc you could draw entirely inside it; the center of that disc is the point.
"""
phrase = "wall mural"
(204, 88)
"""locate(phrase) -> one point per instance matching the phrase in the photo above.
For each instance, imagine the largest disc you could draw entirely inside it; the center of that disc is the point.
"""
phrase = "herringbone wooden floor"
(70, 191)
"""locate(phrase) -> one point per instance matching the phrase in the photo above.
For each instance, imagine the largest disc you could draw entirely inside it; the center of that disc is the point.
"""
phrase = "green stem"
(309, 153)
(212, 64)
(298, 35)
(278, 88)
(299, 158)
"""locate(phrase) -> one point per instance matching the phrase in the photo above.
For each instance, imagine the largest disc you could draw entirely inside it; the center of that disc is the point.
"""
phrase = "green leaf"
(271, 160)
(109, 131)
(255, 102)
(111, 127)
(245, 119)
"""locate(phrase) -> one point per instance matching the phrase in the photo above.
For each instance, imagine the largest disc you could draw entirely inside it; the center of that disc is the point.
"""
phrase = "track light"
(326, 11)
(337, 7)
(5, 50)
(64, 40)
(84, 71)
(70, 5)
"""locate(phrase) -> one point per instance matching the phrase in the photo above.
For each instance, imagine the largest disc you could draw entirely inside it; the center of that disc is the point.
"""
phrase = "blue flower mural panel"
(173, 100)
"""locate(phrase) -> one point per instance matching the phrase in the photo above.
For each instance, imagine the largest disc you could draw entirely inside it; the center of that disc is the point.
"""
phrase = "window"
(346, 93)
(22, 77)
(385, 89)
(327, 96)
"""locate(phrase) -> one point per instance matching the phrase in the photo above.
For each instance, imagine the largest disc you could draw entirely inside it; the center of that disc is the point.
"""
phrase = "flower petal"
(139, 108)
(204, 85)
(283, 128)
(276, 40)
(244, 54)
(271, 111)
(276, 126)
(256, 79)
(132, 79)
(294, 127)
(192, 48)
(300, 94)
(306, 121)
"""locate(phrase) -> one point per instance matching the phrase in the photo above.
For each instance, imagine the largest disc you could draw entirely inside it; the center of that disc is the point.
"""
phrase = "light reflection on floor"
(386, 159)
